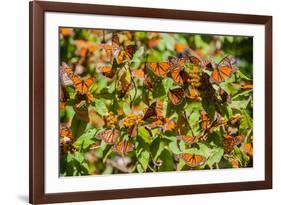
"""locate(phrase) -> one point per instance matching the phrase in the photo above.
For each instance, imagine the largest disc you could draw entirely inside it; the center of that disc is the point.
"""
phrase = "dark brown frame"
(36, 100)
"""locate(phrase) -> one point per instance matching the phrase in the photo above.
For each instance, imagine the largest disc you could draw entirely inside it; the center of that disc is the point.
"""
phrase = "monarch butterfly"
(176, 96)
(167, 124)
(224, 96)
(66, 139)
(123, 147)
(186, 138)
(115, 39)
(125, 87)
(130, 51)
(230, 141)
(176, 62)
(65, 134)
(179, 75)
(109, 136)
(159, 69)
(66, 74)
(223, 70)
(182, 124)
(64, 96)
(194, 60)
(192, 160)
(133, 130)
(205, 121)
(192, 93)
(107, 71)
(248, 149)
(82, 86)
(148, 83)
(139, 73)
(154, 110)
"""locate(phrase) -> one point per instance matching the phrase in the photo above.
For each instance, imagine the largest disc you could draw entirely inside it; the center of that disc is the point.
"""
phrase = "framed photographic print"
(138, 102)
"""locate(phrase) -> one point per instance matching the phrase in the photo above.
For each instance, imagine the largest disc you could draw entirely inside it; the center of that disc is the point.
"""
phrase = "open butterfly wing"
(109, 136)
(159, 69)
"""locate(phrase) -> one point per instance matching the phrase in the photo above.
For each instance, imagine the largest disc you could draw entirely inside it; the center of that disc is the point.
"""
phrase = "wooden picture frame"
(37, 10)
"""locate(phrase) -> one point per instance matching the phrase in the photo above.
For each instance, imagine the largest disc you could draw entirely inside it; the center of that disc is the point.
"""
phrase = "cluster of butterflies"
(173, 68)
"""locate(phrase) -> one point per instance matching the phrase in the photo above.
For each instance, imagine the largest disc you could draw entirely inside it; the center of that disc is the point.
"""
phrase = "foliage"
(152, 102)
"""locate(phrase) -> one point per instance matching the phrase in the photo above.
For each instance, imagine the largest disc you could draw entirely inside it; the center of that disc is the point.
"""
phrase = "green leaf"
(157, 146)
(77, 126)
(173, 146)
(100, 107)
(143, 158)
(167, 161)
(86, 139)
(140, 168)
(144, 134)
(217, 154)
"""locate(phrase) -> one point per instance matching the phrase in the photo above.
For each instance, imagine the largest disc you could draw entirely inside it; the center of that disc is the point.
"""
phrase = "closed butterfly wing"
(107, 71)
(130, 51)
(205, 121)
(109, 136)
(186, 138)
(65, 132)
(133, 131)
(176, 96)
(125, 86)
(159, 108)
(148, 83)
(169, 124)
(192, 94)
(149, 112)
(123, 147)
(138, 73)
(159, 69)
(194, 60)
(179, 76)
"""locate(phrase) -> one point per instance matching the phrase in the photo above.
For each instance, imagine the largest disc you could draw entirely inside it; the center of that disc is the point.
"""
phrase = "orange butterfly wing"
(186, 138)
(192, 160)
(229, 142)
(160, 69)
(223, 71)
(194, 60)
(176, 96)
(205, 121)
(123, 147)
(179, 75)
(159, 108)
(107, 71)
(130, 51)
(193, 94)
(149, 112)
(109, 136)
(139, 73)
